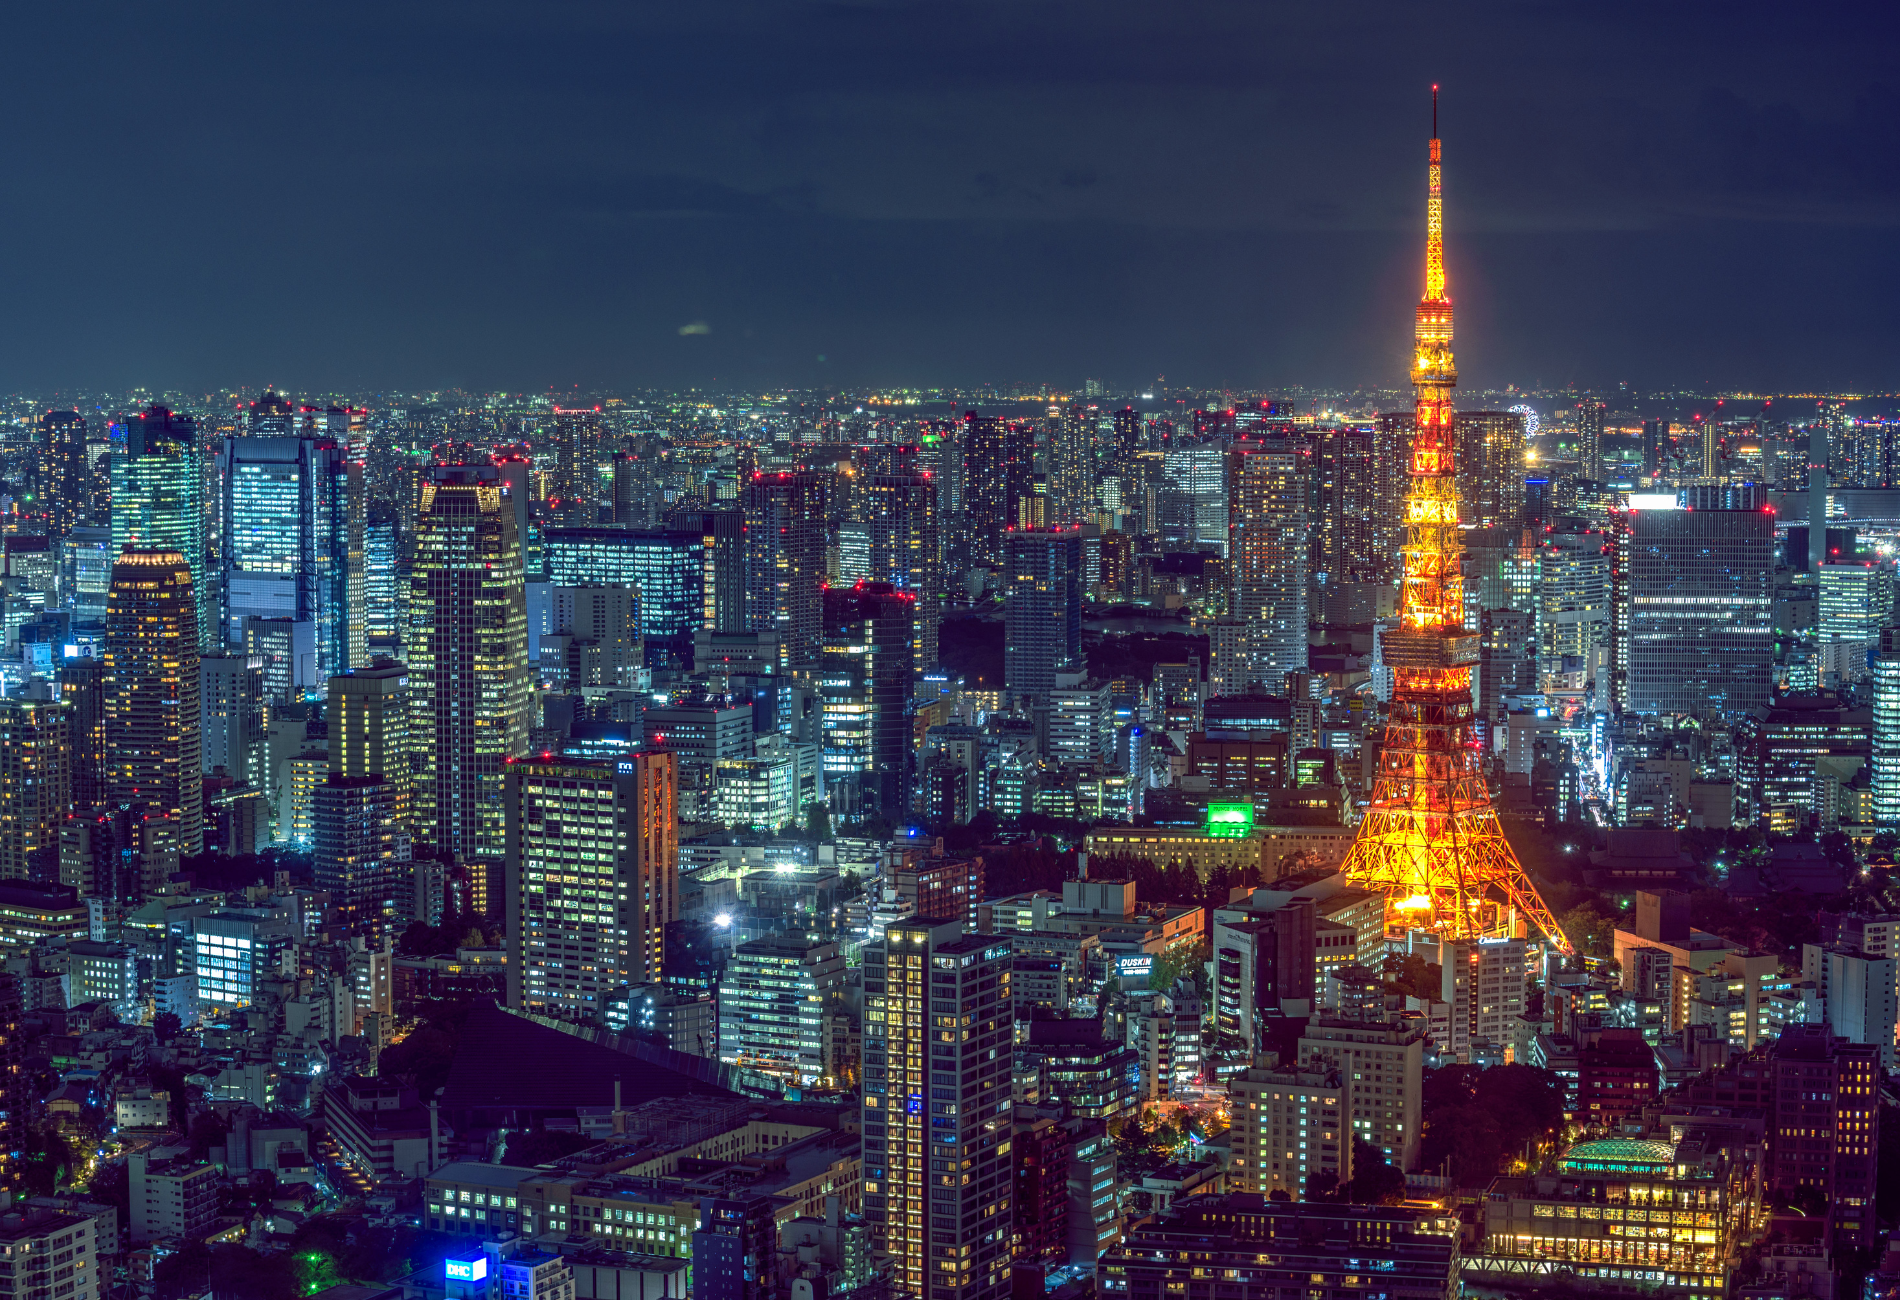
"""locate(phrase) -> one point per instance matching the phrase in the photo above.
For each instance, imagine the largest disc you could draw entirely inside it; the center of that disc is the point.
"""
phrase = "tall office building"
(153, 763)
(632, 491)
(270, 416)
(1856, 599)
(1072, 465)
(865, 691)
(785, 519)
(900, 513)
(159, 503)
(999, 466)
(593, 878)
(293, 542)
(665, 568)
(385, 592)
(1042, 609)
(1692, 623)
(1575, 594)
(1886, 730)
(1491, 468)
(722, 555)
(66, 484)
(936, 1113)
(360, 812)
(1656, 447)
(574, 487)
(469, 679)
(1192, 498)
(1590, 417)
(231, 703)
(82, 689)
(1827, 1128)
(1269, 530)
(1483, 981)
(35, 788)
(775, 998)
(1345, 478)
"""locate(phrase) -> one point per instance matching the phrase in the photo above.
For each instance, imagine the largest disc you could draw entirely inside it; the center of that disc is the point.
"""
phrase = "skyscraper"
(1431, 842)
(231, 702)
(360, 812)
(468, 666)
(785, 518)
(1590, 440)
(35, 788)
(1192, 498)
(574, 488)
(900, 512)
(293, 542)
(1042, 608)
(1491, 468)
(153, 763)
(65, 478)
(82, 689)
(999, 464)
(1886, 733)
(1268, 527)
(1344, 470)
(1072, 465)
(722, 557)
(865, 690)
(936, 1113)
(666, 567)
(385, 592)
(158, 503)
(1692, 624)
(593, 878)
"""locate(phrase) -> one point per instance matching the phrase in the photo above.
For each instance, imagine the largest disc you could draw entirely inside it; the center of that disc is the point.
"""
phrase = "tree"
(1374, 1180)
(1590, 932)
(166, 1026)
(207, 1131)
(818, 822)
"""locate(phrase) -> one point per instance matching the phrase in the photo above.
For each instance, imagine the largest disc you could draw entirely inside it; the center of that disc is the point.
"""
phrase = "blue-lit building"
(158, 502)
(231, 952)
(384, 608)
(664, 567)
(1042, 611)
(293, 542)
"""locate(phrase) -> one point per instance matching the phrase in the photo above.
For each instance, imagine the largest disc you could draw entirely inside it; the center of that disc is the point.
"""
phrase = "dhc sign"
(465, 1270)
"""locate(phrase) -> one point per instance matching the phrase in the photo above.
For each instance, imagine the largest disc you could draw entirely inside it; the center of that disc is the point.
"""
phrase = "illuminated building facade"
(152, 722)
(665, 567)
(773, 1001)
(592, 878)
(999, 462)
(34, 787)
(1431, 841)
(1491, 468)
(469, 680)
(574, 487)
(292, 544)
(1692, 628)
(1886, 730)
(785, 561)
(937, 1175)
(1268, 528)
(1620, 1213)
(1042, 609)
(158, 502)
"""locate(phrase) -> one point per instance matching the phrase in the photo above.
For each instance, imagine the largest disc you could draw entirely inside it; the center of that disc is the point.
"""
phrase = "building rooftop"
(477, 1173)
(1618, 1155)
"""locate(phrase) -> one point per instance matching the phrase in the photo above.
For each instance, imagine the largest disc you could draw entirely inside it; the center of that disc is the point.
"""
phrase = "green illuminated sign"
(1230, 820)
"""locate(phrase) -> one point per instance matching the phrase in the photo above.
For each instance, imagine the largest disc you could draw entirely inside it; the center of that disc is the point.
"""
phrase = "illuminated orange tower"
(1430, 841)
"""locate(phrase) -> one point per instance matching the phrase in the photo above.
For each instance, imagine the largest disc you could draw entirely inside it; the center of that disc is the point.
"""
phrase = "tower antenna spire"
(1434, 110)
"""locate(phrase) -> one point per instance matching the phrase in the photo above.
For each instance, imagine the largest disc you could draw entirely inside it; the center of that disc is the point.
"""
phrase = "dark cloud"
(1230, 192)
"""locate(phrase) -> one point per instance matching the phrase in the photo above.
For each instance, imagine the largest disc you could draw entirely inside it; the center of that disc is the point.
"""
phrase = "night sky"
(355, 197)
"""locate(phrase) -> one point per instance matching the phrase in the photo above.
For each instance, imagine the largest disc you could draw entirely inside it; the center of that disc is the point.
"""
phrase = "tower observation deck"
(1431, 841)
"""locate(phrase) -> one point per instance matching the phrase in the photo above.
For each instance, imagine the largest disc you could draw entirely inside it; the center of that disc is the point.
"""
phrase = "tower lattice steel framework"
(1431, 841)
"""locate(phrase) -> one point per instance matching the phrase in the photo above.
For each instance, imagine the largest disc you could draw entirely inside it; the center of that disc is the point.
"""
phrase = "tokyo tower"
(1431, 841)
